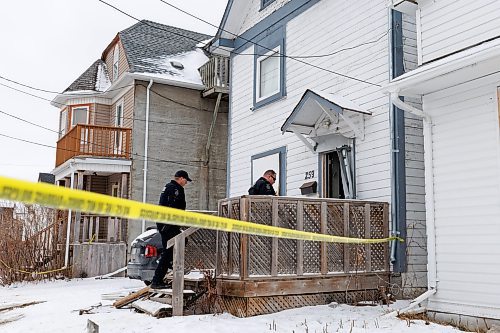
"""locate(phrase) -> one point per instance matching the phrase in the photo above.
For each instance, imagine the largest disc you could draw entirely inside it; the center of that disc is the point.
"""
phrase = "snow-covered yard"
(62, 301)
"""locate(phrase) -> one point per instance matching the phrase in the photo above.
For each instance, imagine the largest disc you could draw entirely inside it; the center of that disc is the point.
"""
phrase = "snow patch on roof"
(203, 43)
(102, 80)
(163, 67)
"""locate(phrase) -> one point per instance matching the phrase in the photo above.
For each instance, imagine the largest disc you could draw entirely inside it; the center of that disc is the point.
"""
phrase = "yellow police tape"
(32, 273)
(64, 198)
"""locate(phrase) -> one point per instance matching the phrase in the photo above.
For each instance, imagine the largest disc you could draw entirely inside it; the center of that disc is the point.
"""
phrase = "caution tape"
(65, 198)
(32, 273)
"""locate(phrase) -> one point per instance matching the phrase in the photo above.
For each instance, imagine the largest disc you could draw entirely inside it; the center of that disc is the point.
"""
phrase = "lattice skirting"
(253, 306)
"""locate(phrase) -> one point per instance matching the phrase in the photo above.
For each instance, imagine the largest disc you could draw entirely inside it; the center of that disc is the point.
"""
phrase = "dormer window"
(116, 58)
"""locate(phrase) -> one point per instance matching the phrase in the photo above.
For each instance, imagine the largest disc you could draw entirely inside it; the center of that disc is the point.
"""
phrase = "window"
(275, 160)
(119, 114)
(265, 3)
(117, 133)
(63, 121)
(268, 74)
(116, 58)
(269, 65)
(79, 115)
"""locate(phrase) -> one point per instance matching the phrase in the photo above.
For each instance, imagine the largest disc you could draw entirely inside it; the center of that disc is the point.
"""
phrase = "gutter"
(146, 77)
(429, 199)
(146, 138)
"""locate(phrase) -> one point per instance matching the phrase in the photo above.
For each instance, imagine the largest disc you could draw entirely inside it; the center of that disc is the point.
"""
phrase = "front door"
(338, 175)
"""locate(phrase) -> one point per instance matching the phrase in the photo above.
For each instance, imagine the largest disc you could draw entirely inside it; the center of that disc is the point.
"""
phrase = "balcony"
(215, 76)
(94, 141)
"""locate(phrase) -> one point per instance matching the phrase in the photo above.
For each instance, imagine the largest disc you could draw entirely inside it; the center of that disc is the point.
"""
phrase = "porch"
(258, 275)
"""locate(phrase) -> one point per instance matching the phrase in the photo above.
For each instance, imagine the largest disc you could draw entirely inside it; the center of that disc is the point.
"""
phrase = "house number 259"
(309, 174)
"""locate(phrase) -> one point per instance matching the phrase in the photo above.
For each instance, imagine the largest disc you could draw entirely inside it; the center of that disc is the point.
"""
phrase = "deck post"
(274, 244)
(368, 254)
(323, 248)
(178, 278)
(347, 247)
(244, 242)
(300, 243)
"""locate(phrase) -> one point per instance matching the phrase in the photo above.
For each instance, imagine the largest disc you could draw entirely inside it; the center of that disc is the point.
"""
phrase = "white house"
(458, 81)
(306, 100)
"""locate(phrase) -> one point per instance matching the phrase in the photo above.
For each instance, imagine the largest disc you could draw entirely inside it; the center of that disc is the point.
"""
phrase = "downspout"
(146, 136)
(68, 229)
(429, 199)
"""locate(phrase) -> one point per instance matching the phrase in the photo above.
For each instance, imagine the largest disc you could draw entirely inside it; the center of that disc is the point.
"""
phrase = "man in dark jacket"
(171, 196)
(264, 185)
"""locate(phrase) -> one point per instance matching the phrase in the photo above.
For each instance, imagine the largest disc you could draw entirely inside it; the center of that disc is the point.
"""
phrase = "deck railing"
(215, 75)
(244, 257)
(93, 140)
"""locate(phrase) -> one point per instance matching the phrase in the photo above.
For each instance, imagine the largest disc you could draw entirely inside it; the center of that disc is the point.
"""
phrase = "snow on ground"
(63, 299)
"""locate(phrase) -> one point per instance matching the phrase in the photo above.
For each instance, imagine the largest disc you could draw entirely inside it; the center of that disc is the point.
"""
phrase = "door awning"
(317, 111)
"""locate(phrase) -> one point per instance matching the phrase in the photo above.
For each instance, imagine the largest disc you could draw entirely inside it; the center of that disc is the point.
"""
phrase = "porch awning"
(316, 110)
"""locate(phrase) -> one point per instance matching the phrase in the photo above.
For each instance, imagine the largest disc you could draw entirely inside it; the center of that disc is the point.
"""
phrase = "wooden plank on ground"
(151, 307)
(132, 297)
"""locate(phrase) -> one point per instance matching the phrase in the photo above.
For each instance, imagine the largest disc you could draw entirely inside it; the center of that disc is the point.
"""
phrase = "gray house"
(135, 116)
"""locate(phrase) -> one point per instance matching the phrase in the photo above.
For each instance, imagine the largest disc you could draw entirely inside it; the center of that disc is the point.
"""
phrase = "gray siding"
(178, 143)
(414, 281)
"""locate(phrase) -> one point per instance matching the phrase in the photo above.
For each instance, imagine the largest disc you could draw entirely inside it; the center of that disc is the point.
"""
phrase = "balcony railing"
(92, 140)
(215, 75)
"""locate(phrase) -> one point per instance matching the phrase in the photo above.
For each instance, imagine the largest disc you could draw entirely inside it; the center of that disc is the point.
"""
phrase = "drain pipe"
(146, 136)
(429, 200)
(68, 229)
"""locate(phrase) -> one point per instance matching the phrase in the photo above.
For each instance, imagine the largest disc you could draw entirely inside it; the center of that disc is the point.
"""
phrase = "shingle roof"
(90, 78)
(147, 40)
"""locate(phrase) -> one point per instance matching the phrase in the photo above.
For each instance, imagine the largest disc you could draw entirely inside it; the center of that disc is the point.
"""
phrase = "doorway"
(337, 174)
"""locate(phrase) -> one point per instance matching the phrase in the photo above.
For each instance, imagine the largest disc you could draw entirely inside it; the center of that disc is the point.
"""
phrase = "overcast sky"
(48, 44)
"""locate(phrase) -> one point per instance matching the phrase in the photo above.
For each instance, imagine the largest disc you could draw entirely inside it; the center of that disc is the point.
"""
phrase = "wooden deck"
(258, 275)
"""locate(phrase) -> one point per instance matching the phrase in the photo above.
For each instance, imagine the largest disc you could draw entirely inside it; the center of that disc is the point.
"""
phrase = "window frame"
(116, 61)
(120, 104)
(272, 41)
(281, 151)
(63, 122)
(258, 82)
(73, 108)
(265, 3)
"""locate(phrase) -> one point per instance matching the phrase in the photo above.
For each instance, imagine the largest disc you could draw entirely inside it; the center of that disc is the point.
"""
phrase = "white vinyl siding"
(255, 14)
(254, 132)
(467, 197)
(452, 25)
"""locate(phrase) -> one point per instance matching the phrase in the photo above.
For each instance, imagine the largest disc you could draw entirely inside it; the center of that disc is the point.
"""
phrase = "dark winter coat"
(262, 187)
(172, 196)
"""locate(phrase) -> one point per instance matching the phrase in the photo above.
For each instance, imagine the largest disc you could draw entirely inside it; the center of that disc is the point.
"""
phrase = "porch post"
(78, 214)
